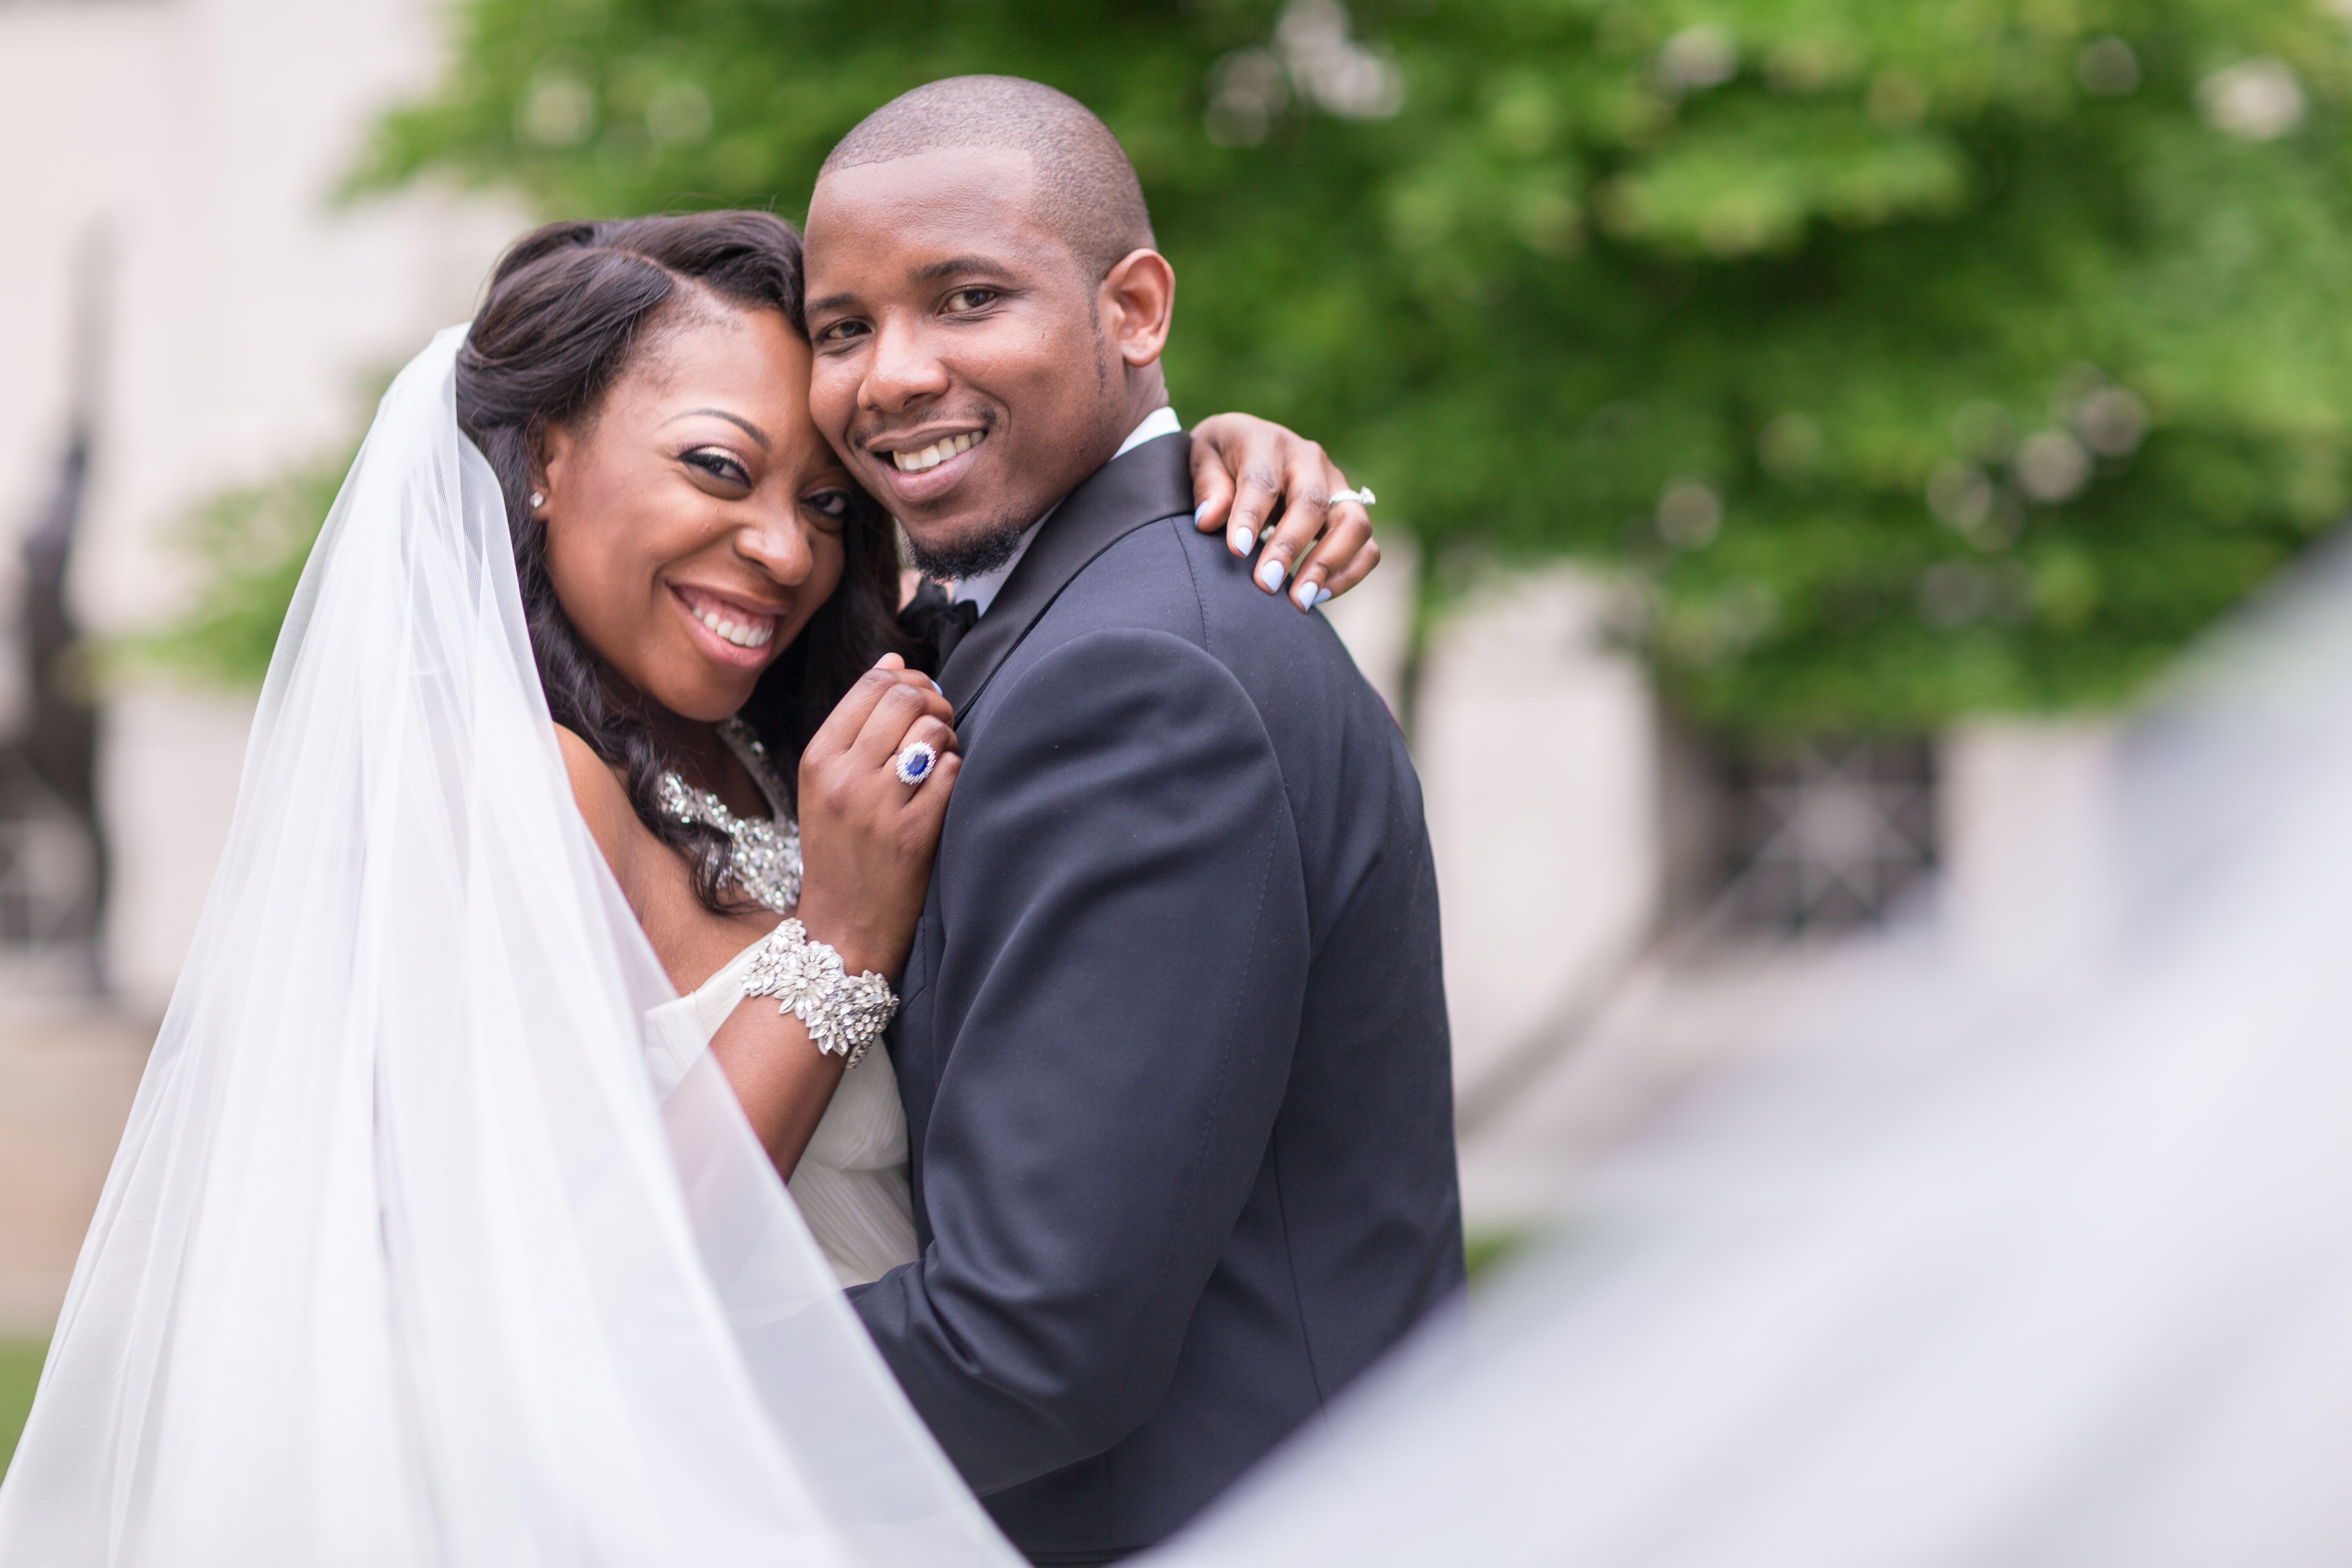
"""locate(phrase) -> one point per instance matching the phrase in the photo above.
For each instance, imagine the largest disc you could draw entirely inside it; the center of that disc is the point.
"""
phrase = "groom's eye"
(971, 299)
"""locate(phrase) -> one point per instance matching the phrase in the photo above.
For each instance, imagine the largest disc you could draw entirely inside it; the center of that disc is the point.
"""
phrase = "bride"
(593, 680)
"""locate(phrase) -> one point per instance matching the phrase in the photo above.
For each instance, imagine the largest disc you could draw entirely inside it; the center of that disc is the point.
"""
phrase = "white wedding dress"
(851, 1183)
(402, 1261)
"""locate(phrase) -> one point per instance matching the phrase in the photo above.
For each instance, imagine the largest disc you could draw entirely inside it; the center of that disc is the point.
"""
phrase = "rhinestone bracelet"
(844, 1014)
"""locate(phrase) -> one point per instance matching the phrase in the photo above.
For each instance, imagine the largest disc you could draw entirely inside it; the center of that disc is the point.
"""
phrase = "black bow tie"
(932, 620)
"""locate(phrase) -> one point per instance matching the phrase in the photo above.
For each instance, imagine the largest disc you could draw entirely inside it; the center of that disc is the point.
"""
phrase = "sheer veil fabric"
(399, 1261)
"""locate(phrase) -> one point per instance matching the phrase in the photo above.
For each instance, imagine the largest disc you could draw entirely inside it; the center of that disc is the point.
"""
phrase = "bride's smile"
(736, 630)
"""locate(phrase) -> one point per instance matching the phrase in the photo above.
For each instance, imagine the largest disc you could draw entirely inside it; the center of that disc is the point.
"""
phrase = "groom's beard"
(984, 550)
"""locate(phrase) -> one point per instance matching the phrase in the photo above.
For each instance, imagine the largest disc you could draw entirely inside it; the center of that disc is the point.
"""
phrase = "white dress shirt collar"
(1161, 421)
(981, 590)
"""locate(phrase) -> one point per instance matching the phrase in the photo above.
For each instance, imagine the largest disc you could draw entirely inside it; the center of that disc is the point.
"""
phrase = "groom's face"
(961, 370)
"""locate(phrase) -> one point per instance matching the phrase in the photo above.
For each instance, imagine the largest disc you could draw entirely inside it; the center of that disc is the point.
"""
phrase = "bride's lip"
(729, 630)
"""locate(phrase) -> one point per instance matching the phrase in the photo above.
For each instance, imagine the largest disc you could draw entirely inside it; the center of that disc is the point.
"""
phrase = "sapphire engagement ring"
(915, 763)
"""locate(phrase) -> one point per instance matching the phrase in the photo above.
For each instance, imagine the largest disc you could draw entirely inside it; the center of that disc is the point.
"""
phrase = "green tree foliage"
(20, 1374)
(1911, 359)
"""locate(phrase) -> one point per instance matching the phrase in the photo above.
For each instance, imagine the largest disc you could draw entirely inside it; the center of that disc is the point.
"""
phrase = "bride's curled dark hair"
(567, 309)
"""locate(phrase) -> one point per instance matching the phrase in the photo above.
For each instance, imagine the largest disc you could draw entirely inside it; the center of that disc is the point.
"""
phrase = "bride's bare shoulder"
(604, 800)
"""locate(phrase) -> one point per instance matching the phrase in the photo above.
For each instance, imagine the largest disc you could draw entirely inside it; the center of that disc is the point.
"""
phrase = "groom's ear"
(1137, 302)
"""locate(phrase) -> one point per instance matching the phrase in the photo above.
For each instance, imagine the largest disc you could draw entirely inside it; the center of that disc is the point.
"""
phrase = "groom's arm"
(1126, 944)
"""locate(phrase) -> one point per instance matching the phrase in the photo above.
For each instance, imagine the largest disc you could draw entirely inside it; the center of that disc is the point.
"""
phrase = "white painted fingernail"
(1199, 512)
(1304, 594)
(1271, 572)
(1324, 596)
(1240, 539)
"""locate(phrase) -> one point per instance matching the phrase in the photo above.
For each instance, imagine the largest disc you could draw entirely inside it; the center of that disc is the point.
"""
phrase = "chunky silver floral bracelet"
(844, 1014)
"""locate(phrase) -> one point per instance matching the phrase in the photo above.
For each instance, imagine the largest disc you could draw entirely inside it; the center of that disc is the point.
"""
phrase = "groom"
(1173, 1046)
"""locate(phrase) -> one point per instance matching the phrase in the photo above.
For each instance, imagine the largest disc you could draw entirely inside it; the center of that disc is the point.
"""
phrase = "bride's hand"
(866, 838)
(1276, 467)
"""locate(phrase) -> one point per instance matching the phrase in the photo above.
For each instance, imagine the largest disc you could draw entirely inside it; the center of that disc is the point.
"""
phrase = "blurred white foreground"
(2010, 1264)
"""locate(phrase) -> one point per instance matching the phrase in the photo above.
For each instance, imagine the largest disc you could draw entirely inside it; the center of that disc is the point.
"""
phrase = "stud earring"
(537, 500)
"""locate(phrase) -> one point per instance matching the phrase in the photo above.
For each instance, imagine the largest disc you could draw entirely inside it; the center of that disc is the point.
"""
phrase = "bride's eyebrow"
(737, 420)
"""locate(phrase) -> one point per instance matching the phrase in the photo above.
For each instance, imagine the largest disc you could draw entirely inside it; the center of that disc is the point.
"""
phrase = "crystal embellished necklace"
(767, 863)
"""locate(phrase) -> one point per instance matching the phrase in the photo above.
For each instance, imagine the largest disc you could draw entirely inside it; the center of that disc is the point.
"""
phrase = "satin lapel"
(1152, 483)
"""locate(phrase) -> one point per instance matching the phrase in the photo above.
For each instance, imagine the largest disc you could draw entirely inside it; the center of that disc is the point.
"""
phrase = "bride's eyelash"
(717, 464)
(831, 505)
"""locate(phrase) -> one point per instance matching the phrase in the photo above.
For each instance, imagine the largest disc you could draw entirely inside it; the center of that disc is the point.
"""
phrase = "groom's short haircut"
(1087, 190)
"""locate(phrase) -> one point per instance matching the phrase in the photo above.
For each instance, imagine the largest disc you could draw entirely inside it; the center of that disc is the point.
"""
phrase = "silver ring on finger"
(915, 763)
(1361, 497)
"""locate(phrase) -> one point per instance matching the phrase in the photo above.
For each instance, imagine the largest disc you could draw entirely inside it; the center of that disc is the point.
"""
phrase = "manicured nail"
(1304, 594)
(1241, 539)
(1324, 596)
(1271, 574)
(1199, 512)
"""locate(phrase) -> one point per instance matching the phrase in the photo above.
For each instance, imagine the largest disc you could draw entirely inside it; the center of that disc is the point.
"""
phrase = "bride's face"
(695, 523)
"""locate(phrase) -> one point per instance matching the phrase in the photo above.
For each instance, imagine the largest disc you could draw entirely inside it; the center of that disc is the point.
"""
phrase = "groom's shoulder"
(1170, 576)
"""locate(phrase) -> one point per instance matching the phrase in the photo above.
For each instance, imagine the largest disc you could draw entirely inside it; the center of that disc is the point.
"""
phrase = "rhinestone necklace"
(767, 863)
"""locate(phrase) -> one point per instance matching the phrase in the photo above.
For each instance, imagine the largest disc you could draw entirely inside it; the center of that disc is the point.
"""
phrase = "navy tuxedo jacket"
(1173, 1046)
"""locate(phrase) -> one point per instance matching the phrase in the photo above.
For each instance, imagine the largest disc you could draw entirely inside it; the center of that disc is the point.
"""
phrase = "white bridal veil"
(400, 1263)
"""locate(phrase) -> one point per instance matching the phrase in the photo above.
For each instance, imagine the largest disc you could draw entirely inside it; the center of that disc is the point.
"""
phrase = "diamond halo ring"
(915, 763)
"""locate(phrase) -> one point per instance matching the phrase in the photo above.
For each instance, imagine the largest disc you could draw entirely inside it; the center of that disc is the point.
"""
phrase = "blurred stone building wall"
(194, 146)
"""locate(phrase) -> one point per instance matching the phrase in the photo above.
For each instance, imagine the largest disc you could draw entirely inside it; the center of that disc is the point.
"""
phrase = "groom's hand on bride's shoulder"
(874, 787)
(1246, 470)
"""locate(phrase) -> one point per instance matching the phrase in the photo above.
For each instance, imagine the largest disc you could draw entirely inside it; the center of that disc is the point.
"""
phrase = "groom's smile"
(967, 366)
(928, 462)
(932, 456)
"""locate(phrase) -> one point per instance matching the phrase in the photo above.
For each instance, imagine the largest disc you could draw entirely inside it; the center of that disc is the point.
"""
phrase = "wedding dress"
(851, 1183)
(403, 1261)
